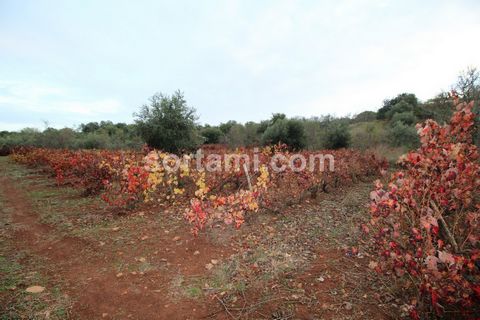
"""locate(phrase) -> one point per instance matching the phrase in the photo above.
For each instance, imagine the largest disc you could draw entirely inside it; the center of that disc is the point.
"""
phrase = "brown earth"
(145, 269)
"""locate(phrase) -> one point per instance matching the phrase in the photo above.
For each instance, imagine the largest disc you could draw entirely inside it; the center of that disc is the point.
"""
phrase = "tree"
(441, 107)
(253, 137)
(276, 117)
(225, 127)
(168, 123)
(408, 100)
(89, 127)
(211, 135)
(288, 131)
(468, 89)
(337, 135)
(401, 134)
(468, 85)
(237, 136)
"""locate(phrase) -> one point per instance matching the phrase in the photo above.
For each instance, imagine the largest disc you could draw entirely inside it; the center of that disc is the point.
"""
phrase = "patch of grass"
(145, 267)
(222, 279)
(16, 303)
(10, 274)
(193, 292)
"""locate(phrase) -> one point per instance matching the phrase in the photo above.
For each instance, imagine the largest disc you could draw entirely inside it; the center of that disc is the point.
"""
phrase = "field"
(97, 262)
(93, 234)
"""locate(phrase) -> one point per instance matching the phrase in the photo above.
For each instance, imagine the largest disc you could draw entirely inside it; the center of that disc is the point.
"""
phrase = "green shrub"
(337, 135)
(406, 117)
(167, 123)
(211, 135)
(401, 134)
(288, 131)
(368, 135)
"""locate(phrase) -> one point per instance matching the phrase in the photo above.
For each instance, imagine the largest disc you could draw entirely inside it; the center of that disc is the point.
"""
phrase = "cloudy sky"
(68, 62)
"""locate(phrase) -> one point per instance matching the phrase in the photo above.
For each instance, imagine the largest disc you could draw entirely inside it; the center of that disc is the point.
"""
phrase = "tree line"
(167, 122)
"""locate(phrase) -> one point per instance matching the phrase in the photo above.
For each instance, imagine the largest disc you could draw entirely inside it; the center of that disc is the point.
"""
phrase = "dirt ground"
(97, 263)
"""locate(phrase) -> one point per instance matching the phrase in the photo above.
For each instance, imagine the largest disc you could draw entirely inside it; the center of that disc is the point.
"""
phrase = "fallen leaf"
(35, 289)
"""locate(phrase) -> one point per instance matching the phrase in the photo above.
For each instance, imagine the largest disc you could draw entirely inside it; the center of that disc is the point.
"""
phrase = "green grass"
(9, 272)
(194, 292)
(15, 303)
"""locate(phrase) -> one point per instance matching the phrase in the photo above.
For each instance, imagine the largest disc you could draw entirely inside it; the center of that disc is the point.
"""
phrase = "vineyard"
(292, 237)
(226, 191)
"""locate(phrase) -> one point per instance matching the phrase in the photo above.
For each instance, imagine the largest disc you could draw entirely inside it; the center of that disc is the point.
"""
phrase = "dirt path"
(83, 268)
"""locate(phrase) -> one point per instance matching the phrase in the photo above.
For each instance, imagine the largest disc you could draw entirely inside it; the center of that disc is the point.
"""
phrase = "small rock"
(196, 253)
(104, 315)
(142, 259)
(348, 306)
(176, 238)
(321, 279)
(119, 275)
(208, 266)
(116, 229)
(35, 289)
(144, 238)
(214, 261)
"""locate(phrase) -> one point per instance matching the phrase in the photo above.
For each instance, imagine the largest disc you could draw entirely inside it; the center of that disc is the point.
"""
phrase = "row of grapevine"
(220, 184)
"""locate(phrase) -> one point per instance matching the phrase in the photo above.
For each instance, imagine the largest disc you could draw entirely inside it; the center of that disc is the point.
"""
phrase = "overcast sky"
(69, 62)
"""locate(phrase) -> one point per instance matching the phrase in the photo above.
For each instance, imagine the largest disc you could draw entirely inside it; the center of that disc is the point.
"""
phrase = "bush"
(401, 134)
(367, 135)
(426, 222)
(236, 136)
(211, 135)
(93, 141)
(168, 123)
(337, 135)
(288, 131)
(406, 117)
(405, 102)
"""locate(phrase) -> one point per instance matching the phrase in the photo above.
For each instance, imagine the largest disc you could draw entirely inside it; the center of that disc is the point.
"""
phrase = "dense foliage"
(425, 223)
(219, 184)
(288, 131)
(168, 123)
(93, 135)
